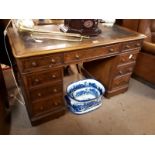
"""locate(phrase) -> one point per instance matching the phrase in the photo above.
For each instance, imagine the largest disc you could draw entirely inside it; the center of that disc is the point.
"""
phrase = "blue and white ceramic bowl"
(84, 96)
(86, 93)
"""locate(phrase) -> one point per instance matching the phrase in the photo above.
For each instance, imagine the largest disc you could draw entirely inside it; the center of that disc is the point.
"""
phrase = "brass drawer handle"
(34, 64)
(111, 50)
(55, 90)
(53, 60)
(39, 94)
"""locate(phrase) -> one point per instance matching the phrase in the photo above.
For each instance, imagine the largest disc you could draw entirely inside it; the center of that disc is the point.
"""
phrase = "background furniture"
(40, 66)
(145, 66)
(4, 104)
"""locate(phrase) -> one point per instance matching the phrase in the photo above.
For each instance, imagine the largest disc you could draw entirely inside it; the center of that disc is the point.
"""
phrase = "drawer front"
(128, 57)
(47, 105)
(33, 63)
(124, 69)
(39, 78)
(90, 53)
(45, 91)
(120, 81)
(131, 45)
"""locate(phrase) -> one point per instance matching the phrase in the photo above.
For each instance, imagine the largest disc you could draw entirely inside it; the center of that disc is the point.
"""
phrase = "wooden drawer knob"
(55, 90)
(130, 69)
(41, 108)
(120, 72)
(36, 80)
(56, 103)
(39, 94)
(34, 64)
(138, 44)
(123, 59)
(111, 50)
(53, 60)
(127, 46)
(77, 56)
(53, 76)
(117, 83)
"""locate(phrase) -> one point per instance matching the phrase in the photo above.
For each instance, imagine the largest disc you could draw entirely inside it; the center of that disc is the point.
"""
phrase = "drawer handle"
(127, 46)
(39, 94)
(123, 59)
(55, 90)
(77, 56)
(130, 69)
(50, 66)
(41, 108)
(138, 44)
(36, 80)
(120, 72)
(117, 83)
(34, 64)
(53, 60)
(111, 50)
(56, 103)
(131, 56)
(53, 76)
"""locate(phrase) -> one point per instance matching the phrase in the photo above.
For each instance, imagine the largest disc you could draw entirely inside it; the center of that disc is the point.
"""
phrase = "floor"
(129, 113)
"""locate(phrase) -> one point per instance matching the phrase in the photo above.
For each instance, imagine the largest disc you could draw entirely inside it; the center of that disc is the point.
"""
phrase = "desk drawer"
(124, 69)
(121, 80)
(40, 62)
(90, 53)
(44, 77)
(46, 91)
(128, 57)
(131, 45)
(46, 105)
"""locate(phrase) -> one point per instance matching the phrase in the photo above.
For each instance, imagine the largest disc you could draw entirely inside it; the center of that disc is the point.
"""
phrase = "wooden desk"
(40, 66)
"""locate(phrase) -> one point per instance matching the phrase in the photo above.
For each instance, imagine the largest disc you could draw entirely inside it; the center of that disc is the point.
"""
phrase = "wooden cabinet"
(109, 57)
(42, 82)
(4, 104)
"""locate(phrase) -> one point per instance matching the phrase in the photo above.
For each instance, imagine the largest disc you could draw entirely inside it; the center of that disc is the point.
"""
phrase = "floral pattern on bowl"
(84, 95)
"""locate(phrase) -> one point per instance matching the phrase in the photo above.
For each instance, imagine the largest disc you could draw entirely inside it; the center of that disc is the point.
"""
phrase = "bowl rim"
(85, 100)
(88, 99)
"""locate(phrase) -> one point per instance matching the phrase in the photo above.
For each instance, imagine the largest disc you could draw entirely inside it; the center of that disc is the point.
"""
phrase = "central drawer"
(92, 53)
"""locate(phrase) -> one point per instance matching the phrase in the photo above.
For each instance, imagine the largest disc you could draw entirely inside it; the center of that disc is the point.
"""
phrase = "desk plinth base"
(114, 92)
(47, 117)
